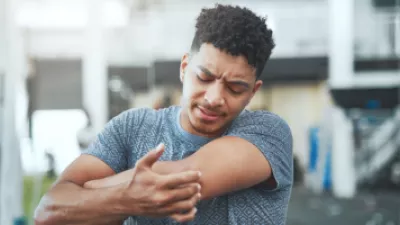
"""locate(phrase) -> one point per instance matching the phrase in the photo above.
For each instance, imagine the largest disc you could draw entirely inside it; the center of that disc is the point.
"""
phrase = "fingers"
(185, 192)
(179, 179)
(151, 157)
(181, 218)
(89, 184)
(167, 198)
(181, 206)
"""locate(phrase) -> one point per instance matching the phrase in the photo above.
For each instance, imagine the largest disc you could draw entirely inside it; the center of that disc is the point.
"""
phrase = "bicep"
(85, 168)
(229, 164)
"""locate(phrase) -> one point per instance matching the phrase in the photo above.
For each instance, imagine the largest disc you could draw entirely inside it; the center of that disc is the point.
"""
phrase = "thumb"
(151, 157)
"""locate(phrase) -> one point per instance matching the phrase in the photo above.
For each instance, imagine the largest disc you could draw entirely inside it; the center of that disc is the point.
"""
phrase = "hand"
(153, 195)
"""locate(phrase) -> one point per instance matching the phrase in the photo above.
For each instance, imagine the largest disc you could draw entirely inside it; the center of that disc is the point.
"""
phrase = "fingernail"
(199, 174)
(199, 195)
(198, 187)
(159, 147)
(195, 210)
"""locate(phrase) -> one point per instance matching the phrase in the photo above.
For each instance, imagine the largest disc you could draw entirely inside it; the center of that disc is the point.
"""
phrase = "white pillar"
(2, 38)
(397, 32)
(14, 67)
(341, 42)
(95, 94)
(341, 59)
(343, 170)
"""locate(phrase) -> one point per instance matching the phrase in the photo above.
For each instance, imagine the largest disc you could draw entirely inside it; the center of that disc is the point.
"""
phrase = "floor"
(366, 209)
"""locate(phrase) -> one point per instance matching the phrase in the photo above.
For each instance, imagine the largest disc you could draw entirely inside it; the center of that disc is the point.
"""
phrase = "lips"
(209, 112)
(207, 115)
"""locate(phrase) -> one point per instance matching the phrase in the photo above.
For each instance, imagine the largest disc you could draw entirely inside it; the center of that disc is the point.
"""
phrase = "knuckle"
(194, 202)
(176, 218)
(179, 219)
(159, 184)
(163, 199)
(157, 203)
(191, 203)
(185, 177)
(191, 217)
(187, 206)
(188, 218)
(189, 191)
(194, 189)
(184, 192)
(192, 176)
(139, 164)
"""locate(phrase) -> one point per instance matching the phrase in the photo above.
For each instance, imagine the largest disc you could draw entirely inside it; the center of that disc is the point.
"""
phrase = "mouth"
(208, 115)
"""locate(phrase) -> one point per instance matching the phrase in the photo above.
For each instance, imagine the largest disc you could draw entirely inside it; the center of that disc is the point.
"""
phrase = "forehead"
(222, 63)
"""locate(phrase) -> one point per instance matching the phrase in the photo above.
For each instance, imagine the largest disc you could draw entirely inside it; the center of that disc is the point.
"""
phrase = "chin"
(205, 127)
(207, 130)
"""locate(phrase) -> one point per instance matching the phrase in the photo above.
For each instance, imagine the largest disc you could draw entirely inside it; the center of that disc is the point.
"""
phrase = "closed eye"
(235, 91)
(238, 87)
(204, 78)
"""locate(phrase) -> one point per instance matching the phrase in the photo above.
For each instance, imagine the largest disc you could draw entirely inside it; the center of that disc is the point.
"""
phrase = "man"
(217, 162)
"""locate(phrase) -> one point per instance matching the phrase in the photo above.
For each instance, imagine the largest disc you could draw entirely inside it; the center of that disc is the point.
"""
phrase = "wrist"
(122, 201)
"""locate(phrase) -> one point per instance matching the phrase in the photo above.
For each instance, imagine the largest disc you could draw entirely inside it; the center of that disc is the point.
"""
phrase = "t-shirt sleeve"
(111, 144)
(272, 136)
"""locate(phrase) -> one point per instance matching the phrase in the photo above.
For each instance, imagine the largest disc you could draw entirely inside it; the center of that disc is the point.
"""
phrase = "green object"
(29, 198)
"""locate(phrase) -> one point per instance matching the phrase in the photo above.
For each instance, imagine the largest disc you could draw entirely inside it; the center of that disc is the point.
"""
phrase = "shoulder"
(260, 122)
(140, 115)
(139, 120)
(134, 115)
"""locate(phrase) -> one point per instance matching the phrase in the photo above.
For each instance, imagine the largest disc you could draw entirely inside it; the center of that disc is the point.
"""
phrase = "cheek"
(236, 105)
(188, 92)
(190, 89)
(187, 87)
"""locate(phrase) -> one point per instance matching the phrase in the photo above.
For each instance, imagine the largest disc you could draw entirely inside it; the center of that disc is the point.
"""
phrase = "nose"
(214, 95)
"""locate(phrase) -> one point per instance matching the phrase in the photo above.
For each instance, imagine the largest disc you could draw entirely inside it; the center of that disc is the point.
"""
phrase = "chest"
(175, 147)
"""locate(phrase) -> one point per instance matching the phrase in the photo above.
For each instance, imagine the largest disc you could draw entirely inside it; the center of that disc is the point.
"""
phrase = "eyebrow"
(206, 71)
(244, 84)
(209, 73)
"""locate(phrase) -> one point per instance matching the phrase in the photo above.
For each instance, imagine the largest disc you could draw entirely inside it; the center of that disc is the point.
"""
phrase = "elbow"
(40, 221)
(205, 196)
(45, 213)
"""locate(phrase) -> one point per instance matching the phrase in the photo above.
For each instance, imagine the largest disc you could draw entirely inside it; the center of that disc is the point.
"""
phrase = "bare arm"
(227, 164)
(145, 193)
(67, 202)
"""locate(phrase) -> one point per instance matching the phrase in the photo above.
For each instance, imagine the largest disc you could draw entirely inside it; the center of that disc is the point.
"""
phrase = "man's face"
(216, 88)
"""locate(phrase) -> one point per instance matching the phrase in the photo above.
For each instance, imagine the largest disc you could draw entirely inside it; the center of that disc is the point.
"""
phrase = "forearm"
(103, 222)
(221, 171)
(68, 203)
(110, 181)
(161, 167)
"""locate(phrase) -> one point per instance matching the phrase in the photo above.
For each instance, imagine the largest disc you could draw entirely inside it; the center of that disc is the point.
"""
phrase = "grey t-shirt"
(130, 135)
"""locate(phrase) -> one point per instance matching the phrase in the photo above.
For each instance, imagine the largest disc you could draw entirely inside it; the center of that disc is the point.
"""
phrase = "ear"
(183, 67)
(255, 89)
(257, 86)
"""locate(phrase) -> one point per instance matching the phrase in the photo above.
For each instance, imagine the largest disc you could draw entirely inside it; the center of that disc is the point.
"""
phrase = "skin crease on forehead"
(215, 83)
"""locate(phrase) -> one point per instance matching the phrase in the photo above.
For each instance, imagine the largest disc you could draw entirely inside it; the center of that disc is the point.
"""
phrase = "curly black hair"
(237, 31)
